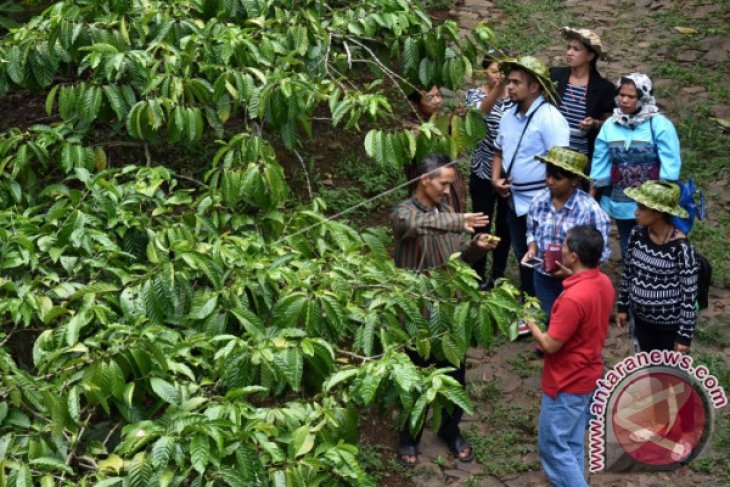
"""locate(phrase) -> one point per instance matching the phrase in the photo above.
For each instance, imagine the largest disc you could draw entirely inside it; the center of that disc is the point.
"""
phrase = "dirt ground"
(504, 382)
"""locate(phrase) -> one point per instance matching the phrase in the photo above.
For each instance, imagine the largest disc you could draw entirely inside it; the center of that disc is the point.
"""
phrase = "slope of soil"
(504, 382)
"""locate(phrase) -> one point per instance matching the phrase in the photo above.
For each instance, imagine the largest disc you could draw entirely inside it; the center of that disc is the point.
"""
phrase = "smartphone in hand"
(533, 262)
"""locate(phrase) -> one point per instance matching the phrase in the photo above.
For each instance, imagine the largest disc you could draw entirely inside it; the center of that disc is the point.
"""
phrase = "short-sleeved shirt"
(579, 318)
(546, 225)
(547, 129)
(481, 159)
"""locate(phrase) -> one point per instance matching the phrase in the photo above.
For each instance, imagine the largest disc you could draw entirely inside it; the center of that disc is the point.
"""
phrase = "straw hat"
(659, 196)
(535, 67)
(587, 37)
(565, 158)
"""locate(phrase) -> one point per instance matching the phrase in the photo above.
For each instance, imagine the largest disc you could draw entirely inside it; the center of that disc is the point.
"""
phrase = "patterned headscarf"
(646, 105)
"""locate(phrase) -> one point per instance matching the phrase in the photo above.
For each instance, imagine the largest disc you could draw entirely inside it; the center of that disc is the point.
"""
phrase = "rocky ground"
(504, 382)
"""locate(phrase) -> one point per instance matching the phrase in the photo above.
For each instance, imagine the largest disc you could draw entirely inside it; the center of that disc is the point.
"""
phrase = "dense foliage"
(203, 332)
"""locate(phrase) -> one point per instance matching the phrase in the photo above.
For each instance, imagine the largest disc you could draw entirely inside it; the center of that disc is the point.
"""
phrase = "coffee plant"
(162, 330)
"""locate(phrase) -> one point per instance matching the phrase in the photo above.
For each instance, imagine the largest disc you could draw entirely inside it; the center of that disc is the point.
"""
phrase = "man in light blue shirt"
(529, 129)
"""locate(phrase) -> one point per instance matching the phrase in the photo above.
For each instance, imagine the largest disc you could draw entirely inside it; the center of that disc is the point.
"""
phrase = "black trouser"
(483, 200)
(654, 338)
(449, 421)
(518, 232)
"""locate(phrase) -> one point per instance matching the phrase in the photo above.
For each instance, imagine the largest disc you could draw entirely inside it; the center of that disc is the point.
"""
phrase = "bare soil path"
(504, 382)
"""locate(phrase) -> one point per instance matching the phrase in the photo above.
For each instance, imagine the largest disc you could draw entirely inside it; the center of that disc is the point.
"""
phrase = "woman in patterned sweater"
(659, 280)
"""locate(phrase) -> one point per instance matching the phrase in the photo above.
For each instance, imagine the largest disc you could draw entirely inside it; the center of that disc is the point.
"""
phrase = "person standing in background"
(492, 101)
(528, 129)
(635, 145)
(586, 97)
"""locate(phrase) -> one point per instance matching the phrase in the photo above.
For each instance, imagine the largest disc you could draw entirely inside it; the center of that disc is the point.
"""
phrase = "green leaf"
(426, 72)
(302, 441)
(452, 353)
(139, 471)
(51, 463)
(162, 451)
(165, 391)
(458, 396)
(51, 99)
(291, 365)
(200, 452)
(74, 404)
(16, 65)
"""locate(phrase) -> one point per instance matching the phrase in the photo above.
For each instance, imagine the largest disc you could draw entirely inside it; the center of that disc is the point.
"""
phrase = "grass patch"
(507, 434)
(533, 25)
(717, 465)
(523, 365)
(714, 333)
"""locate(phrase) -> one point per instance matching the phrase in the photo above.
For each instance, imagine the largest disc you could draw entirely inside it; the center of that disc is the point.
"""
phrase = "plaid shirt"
(545, 225)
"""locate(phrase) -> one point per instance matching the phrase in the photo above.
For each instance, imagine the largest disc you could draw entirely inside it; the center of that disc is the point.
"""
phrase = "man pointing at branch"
(427, 232)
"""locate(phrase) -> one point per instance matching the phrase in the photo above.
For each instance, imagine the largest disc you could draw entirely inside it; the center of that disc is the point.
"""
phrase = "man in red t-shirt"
(573, 363)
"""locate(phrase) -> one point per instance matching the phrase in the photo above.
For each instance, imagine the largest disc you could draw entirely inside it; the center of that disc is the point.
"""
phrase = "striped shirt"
(573, 108)
(425, 237)
(481, 160)
(659, 284)
(546, 225)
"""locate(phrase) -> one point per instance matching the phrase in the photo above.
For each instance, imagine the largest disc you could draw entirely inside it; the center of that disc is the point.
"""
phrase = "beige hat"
(587, 37)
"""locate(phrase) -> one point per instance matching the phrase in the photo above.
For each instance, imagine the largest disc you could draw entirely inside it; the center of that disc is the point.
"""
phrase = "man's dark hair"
(587, 243)
(559, 173)
(531, 78)
(432, 163)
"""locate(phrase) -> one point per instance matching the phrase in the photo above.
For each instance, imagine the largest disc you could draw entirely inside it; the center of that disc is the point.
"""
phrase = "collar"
(580, 277)
(570, 204)
(538, 101)
(441, 207)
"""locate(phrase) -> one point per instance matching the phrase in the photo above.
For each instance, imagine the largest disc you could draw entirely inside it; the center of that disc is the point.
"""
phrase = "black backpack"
(704, 280)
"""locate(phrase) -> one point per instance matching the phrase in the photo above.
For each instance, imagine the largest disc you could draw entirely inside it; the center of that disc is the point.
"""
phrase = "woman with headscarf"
(659, 279)
(492, 100)
(635, 145)
(586, 97)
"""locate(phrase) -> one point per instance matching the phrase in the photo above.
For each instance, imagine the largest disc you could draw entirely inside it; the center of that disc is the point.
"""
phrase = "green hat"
(566, 158)
(535, 67)
(659, 196)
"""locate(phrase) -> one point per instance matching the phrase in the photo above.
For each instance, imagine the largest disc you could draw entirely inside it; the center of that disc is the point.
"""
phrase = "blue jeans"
(518, 234)
(560, 438)
(624, 231)
(547, 290)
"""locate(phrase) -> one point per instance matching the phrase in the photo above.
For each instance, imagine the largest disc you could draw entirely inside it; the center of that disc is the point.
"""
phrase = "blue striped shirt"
(573, 108)
(546, 225)
(481, 160)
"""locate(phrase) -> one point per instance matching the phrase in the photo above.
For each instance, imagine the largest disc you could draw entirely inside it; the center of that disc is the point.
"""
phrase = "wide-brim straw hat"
(535, 67)
(566, 158)
(587, 37)
(660, 196)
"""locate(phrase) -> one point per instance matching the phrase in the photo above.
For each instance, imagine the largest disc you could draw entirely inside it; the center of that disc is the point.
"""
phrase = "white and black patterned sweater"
(659, 284)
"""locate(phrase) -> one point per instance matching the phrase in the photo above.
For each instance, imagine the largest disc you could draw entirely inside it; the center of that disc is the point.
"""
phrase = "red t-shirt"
(579, 319)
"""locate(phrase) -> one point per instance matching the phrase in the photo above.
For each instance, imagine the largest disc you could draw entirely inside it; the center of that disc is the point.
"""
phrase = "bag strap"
(519, 142)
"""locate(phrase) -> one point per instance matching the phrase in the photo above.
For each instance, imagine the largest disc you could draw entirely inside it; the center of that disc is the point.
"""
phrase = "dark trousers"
(653, 338)
(624, 231)
(449, 421)
(484, 200)
(518, 234)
